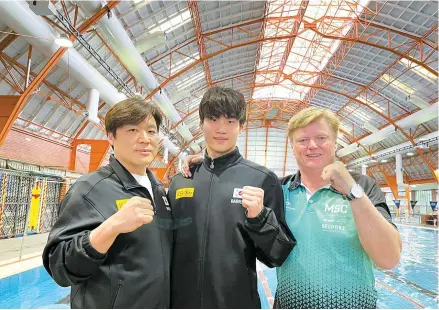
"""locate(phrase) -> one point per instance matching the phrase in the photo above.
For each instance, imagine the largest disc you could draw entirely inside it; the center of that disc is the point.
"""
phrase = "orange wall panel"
(40, 151)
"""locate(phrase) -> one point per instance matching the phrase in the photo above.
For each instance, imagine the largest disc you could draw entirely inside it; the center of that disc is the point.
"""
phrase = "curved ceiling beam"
(326, 74)
(367, 23)
(193, 8)
(273, 19)
(389, 49)
(391, 121)
(286, 37)
(51, 63)
(337, 63)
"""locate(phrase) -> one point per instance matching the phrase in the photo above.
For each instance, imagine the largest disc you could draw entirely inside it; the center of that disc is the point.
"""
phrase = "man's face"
(314, 146)
(135, 146)
(220, 134)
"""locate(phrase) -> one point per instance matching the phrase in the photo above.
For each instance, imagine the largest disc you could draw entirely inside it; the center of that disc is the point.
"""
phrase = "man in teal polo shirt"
(341, 223)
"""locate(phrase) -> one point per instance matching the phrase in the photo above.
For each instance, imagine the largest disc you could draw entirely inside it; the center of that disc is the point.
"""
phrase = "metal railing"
(29, 203)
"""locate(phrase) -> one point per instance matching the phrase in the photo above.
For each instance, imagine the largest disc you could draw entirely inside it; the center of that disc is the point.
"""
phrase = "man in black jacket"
(228, 214)
(112, 241)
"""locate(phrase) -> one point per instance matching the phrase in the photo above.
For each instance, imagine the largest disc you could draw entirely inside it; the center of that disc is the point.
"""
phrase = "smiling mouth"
(314, 155)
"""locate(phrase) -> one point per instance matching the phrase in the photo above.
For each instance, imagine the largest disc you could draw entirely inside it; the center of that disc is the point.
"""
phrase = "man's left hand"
(252, 200)
(339, 176)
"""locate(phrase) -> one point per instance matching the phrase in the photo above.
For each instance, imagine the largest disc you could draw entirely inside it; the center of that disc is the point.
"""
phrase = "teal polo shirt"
(328, 267)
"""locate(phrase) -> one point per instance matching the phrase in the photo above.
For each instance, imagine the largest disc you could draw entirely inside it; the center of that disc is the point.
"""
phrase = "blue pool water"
(412, 284)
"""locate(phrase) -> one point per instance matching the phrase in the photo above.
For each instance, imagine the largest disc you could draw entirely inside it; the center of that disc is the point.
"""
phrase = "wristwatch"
(356, 192)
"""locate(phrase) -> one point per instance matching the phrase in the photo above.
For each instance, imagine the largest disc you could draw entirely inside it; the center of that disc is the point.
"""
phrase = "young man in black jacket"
(113, 238)
(227, 215)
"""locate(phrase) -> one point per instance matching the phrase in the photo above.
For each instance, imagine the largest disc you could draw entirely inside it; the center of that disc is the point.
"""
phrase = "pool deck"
(10, 263)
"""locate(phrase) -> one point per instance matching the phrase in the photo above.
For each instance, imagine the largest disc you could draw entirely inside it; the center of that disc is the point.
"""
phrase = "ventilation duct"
(410, 121)
(150, 41)
(123, 46)
(92, 106)
(431, 138)
(18, 16)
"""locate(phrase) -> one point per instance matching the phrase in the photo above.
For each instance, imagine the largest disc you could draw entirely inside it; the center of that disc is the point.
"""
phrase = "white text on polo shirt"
(336, 208)
(333, 227)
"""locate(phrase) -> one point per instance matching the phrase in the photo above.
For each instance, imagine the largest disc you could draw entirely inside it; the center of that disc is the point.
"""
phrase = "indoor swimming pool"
(412, 284)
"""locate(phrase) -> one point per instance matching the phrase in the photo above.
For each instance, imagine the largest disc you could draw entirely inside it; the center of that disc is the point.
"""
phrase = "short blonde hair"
(309, 115)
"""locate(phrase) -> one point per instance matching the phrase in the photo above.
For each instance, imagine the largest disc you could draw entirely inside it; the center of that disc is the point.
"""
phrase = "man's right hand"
(188, 161)
(135, 212)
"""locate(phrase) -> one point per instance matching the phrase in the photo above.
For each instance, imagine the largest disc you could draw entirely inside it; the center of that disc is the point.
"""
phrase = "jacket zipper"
(212, 165)
(203, 253)
(158, 230)
(117, 294)
(159, 236)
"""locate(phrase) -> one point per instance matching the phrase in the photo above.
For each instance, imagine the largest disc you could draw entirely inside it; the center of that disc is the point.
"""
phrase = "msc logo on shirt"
(336, 208)
(184, 193)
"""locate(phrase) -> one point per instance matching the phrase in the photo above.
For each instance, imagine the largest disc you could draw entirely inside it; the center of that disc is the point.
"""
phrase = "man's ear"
(110, 138)
(241, 127)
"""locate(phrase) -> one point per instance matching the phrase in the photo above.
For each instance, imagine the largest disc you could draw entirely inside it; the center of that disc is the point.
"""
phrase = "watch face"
(357, 191)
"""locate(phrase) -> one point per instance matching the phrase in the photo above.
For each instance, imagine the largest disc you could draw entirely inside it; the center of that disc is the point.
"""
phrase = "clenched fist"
(135, 212)
(339, 176)
(252, 200)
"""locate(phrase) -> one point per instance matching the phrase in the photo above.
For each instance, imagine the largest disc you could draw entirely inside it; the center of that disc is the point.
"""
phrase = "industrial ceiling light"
(422, 146)
(384, 160)
(410, 154)
(64, 41)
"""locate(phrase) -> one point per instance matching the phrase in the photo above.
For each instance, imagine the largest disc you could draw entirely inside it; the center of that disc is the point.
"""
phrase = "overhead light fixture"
(422, 146)
(384, 160)
(410, 154)
(63, 41)
(373, 160)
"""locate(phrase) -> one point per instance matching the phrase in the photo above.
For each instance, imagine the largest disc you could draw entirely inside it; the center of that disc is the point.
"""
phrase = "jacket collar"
(127, 179)
(222, 162)
(296, 180)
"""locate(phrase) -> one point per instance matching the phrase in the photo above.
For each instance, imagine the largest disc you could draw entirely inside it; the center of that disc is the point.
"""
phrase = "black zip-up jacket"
(215, 245)
(134, 273)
